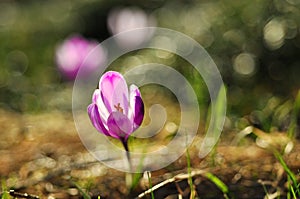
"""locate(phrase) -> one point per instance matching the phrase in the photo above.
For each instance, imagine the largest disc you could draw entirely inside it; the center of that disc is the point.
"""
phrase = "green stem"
(127, 155)
(129, 176)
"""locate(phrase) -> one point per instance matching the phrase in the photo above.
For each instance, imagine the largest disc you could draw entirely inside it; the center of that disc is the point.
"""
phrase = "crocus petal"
(97, 99)
(119, 125)
(136, 113)
(96, 120)
(114, 91)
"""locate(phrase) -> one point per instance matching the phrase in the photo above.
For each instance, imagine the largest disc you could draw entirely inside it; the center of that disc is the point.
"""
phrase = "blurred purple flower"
(76, 52)
(125, 19)
(114, 111)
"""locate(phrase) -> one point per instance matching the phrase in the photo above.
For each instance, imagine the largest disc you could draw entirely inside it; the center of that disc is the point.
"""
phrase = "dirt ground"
(42, 155)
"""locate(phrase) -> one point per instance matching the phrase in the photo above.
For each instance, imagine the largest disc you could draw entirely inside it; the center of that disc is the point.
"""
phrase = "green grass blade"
(150, 183)
(135, 180)
(83, 192)
(286, 168)
(190, 179)
(215, 119)
(219, 183)
(291, 188)
(294, 117)
(291, 175)
(137, 176)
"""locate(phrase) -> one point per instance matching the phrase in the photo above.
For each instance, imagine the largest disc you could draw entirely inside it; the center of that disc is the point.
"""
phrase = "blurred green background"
(255, 44)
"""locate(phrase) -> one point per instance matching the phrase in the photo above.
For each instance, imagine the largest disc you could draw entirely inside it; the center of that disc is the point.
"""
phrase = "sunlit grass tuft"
(4, 194)
(83, 192)
(293, 185)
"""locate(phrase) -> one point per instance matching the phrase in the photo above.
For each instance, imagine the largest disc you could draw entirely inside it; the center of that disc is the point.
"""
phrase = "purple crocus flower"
(116, 111)
(74, 53)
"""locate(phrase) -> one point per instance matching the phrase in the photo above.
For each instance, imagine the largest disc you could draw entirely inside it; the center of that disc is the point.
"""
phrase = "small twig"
(15, 194)
(273, 195)
(179, 189)
(176, 178)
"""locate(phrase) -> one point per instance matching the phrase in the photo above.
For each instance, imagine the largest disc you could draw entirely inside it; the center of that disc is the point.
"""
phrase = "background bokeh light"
(255, 45)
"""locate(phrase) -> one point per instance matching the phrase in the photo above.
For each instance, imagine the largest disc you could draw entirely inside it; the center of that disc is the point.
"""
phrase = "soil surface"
(42, 155)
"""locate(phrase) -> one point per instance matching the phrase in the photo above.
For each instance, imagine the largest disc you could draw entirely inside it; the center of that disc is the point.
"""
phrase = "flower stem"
(127, 155)
(129, 176)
